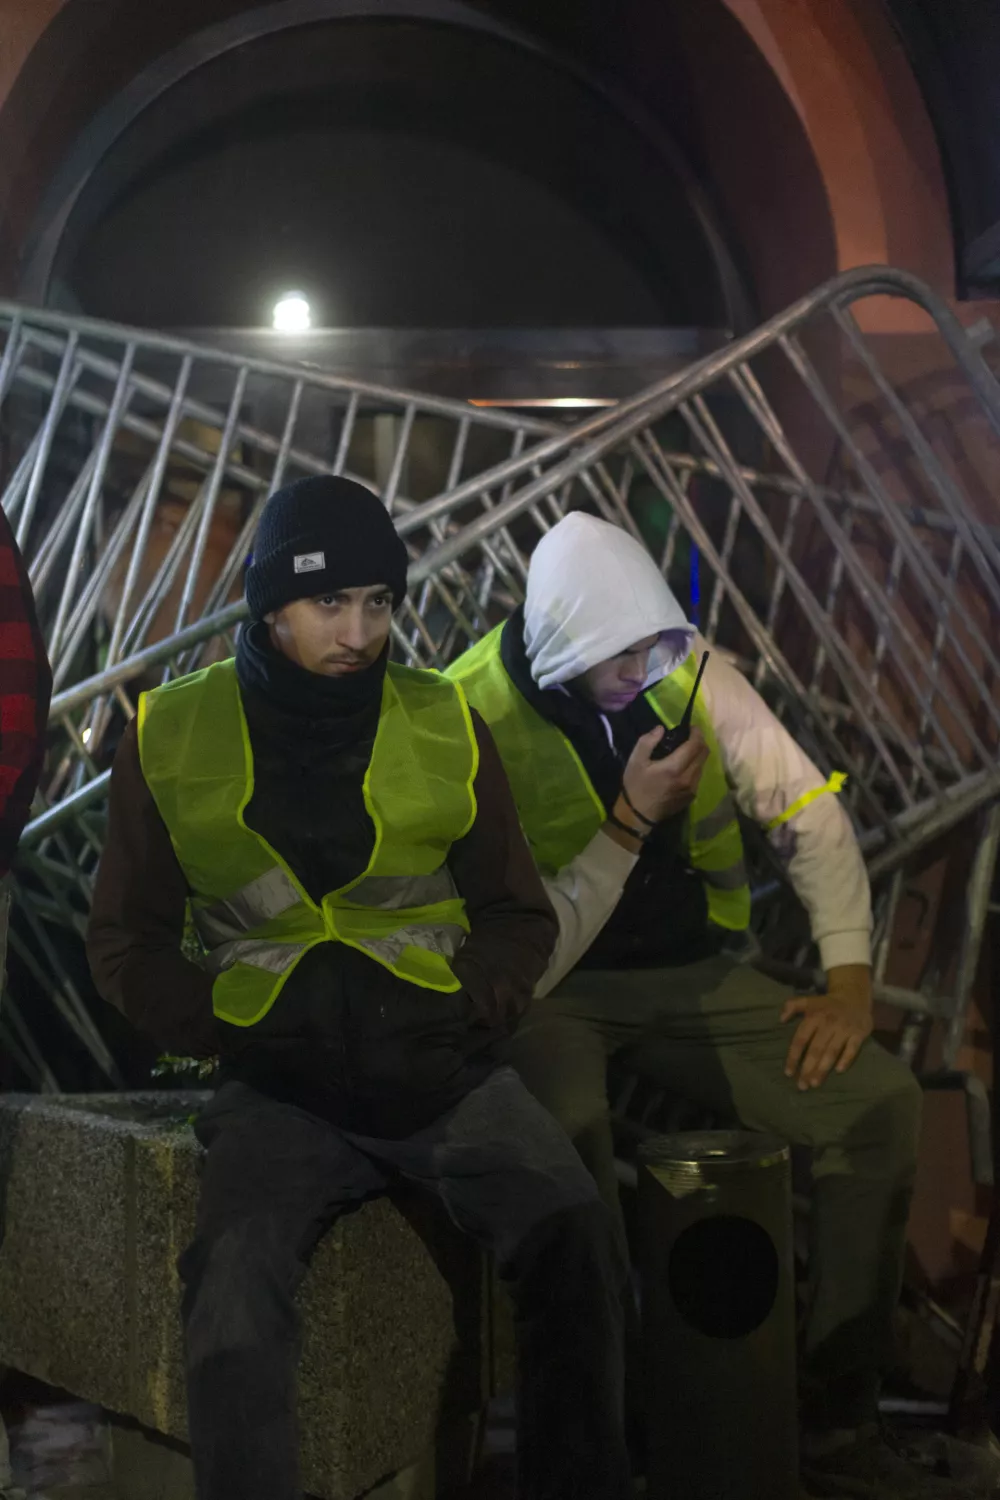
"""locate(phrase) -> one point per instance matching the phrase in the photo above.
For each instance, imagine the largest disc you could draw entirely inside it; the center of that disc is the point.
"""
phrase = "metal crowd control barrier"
(854, 574)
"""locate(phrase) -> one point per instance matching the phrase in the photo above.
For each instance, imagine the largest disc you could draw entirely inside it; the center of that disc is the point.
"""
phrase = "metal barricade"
(857, 594)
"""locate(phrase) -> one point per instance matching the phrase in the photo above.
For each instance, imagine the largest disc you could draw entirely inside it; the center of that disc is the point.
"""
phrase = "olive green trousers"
(711, 1033)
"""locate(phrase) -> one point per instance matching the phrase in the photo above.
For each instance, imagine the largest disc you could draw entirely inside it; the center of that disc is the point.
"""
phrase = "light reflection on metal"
(566, 402)
(507, 365)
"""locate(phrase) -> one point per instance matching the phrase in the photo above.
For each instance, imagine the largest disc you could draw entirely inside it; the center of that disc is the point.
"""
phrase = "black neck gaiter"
(333, 710)
(312, 739)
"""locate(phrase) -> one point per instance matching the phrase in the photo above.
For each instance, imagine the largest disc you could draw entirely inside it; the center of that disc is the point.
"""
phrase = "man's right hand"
(660, 788)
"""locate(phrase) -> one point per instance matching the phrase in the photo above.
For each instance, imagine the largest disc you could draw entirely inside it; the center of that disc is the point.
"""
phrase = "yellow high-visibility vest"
(559, 808)
(254, 917)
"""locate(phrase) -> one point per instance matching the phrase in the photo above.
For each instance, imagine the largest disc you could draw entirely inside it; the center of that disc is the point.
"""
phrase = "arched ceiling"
(799, 121)
(405, 172)
(633, 56)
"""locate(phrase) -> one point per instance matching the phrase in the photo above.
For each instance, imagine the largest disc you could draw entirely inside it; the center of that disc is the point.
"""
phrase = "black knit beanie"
(319, 535)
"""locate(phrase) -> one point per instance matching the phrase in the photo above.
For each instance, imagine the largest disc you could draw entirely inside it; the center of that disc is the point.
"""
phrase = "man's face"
(337, 634)
(613, 684)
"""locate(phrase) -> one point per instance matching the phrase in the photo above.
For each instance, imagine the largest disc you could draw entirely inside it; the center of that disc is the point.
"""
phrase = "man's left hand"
(833, 1026)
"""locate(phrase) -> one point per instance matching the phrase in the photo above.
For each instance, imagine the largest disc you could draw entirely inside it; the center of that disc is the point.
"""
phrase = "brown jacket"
(346, 1038)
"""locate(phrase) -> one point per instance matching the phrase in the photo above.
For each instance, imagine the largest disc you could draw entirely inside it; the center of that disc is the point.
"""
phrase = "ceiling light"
(291, 313)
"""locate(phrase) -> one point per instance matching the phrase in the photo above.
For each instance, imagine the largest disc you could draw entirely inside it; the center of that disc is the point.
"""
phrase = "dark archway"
(584, 211)
(404, 173)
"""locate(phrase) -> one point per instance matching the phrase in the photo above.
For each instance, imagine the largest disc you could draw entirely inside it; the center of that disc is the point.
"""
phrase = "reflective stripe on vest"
(221, 925)
(559, 808)
(253, 916)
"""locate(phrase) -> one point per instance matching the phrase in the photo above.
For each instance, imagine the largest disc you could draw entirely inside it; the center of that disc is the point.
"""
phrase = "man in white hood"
(643, 861)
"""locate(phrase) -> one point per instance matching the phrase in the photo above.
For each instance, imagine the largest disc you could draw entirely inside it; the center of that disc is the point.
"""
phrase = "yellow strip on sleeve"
(836, 784)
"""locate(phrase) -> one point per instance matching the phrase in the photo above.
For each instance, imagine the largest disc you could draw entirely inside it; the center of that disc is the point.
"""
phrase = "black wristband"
(649, 822)
(633, 832)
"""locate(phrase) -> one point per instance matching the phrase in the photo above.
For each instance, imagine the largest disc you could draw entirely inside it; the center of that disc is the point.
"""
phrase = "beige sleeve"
(584, 893)
(768, 772)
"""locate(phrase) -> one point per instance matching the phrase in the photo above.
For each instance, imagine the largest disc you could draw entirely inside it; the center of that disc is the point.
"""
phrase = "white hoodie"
(593, 590)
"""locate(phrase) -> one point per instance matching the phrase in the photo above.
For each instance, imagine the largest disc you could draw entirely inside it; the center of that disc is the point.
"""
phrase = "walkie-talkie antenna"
(673, 739)
(689, 710)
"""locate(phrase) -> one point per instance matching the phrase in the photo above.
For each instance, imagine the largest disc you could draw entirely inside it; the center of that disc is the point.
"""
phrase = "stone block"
(63, 1260)
(99, 1196)
(163, 1198)
(147, 1467)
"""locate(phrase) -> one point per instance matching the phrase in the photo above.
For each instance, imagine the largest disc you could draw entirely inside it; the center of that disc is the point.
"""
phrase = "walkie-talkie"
(674, 738)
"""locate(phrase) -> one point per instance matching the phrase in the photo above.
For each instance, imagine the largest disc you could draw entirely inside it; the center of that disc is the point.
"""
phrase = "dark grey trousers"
(276, 1177)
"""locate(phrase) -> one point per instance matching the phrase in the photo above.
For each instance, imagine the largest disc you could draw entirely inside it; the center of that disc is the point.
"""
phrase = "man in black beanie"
(342, 831)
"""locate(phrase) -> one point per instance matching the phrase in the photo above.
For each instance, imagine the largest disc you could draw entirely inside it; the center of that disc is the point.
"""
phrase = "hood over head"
(593, 591)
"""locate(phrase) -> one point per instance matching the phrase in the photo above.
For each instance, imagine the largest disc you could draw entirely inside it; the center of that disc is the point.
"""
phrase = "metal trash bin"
(718, 1313)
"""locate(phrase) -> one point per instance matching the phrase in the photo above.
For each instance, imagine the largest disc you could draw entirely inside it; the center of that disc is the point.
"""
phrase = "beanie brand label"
(309, 562)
